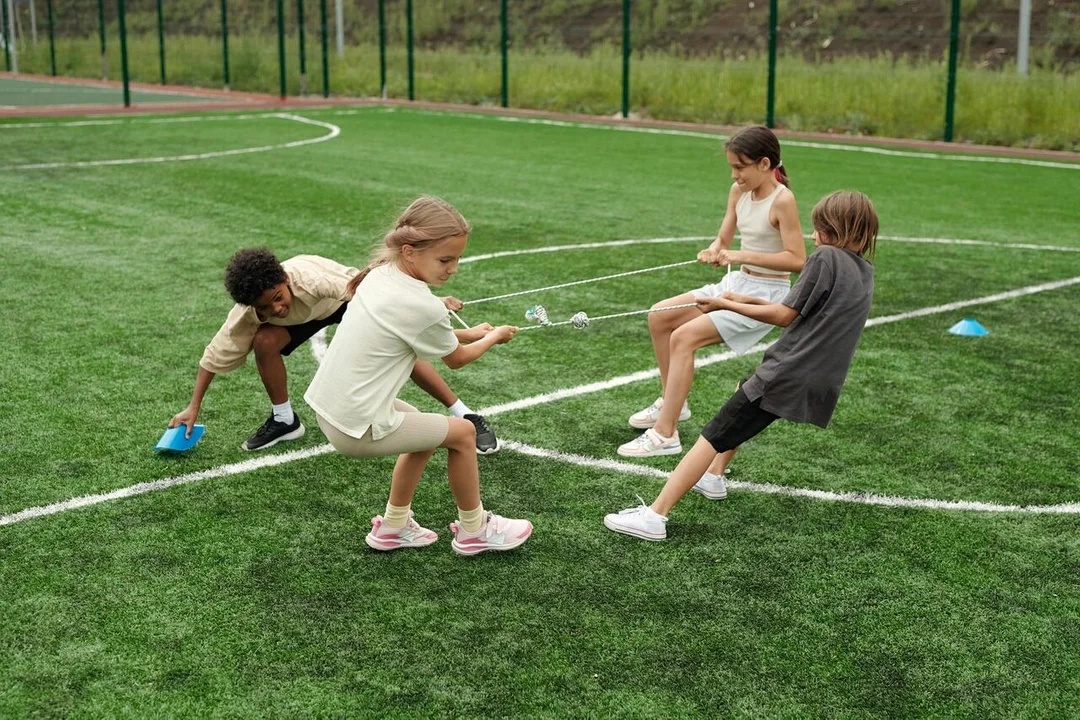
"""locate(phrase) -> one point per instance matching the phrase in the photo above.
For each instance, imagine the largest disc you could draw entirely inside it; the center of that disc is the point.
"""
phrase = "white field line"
(138, 121)
(708, 238)
(579, 390)
(840, 147)
(148, 487)
(862, 498)
(320, 345)
(334, 131)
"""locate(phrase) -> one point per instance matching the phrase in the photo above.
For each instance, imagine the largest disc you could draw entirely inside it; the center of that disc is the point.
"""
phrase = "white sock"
(460, 409)
(283, 413)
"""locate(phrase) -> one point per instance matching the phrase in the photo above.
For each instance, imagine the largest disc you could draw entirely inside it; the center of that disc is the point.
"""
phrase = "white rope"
(578, 282)
(458, 318)
(576, 322)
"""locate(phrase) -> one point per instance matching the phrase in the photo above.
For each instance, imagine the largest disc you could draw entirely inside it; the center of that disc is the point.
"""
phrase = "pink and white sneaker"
(410, 536)
(645, 419)
(496, 533)
(651, 444)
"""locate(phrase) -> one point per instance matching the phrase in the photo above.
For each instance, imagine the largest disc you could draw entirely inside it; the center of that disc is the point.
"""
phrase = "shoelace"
(635, 510)
(481, 423)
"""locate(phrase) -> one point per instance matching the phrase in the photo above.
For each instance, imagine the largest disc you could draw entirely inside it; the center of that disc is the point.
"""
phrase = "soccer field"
(919, 557)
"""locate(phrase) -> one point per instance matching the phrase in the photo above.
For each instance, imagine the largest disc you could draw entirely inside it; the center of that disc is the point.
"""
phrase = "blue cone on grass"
(969, 327)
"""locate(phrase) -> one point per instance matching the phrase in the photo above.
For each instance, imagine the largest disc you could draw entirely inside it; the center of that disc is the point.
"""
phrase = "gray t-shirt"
(800, 377)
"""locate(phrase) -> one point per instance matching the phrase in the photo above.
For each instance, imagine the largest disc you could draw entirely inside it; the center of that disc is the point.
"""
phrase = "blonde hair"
(426, 221)
(847, 220)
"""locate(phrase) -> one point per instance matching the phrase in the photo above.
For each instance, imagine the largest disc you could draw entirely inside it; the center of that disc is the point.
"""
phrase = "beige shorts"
(417, 431)
(739, 332)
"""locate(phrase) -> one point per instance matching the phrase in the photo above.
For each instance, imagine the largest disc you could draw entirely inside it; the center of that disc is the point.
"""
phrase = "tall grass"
(878, 96)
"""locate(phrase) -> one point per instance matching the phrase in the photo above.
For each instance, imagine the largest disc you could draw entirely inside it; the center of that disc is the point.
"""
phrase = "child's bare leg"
(663, 324)
(430, 381)
(720, 464)
(407, 472)
(463, 471)
(269, 341)
(688, 472)
(696, 333)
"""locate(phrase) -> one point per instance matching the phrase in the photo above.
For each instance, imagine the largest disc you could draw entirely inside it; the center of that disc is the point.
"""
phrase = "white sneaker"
(496, 533)
(711, 486)
(641, 522)
(645, 419)
(385, 538)
(651, 444)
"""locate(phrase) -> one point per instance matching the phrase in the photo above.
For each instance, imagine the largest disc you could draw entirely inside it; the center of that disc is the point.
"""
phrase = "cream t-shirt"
(318, 287)
(393, 320)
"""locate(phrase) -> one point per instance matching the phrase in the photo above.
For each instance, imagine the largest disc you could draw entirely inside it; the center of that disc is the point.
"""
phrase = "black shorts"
(738, 421)
(300, 334)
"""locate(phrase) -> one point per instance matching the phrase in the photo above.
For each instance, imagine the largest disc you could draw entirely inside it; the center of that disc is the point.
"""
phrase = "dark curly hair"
(251, 272)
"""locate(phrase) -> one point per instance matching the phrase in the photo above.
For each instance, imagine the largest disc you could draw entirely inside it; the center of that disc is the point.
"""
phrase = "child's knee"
(462, 433)
(268, 340)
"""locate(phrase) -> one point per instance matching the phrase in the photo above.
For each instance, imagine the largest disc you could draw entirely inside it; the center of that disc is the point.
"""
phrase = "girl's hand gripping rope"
(503, 333)
(452, 303)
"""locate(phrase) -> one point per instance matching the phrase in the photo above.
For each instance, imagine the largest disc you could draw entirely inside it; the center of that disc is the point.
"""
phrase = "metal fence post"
(4, 29)
(770, 100)
(303, 54)
(161, 40)
(101, 31)
(225, 43)
(325, 53)
(409, 42)
(626, 59)
(382, 49)
(950, 91)
(504, 42)
(52, 44)
(123, 52)
(281, 44)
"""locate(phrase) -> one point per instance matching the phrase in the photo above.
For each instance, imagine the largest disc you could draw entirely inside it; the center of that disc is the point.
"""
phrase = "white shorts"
(739, 332)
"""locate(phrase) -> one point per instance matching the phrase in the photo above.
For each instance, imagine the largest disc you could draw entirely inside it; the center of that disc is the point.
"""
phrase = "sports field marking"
(319, 349)
(840, 147)
(155, 485)
(334, 131)
(861, 498)
(708, 238)
(138, 121)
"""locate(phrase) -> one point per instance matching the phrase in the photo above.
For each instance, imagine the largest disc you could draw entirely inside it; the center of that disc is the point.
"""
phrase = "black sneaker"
(272, 432)
(486, 442)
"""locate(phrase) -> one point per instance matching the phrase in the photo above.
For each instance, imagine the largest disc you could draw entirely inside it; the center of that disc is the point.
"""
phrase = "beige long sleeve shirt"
(318, 287)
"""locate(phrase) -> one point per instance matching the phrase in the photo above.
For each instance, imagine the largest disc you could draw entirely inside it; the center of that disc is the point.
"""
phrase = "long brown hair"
(756, 142)
(426, 221)
(847, 220)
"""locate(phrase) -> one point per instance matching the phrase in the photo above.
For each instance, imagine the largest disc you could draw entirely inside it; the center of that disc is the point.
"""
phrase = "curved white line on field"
(706, 238)
(334, 131)
(841, 147)
(860, 498)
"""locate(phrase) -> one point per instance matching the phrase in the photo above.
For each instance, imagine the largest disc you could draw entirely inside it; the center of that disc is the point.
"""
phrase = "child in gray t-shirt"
(801, 375)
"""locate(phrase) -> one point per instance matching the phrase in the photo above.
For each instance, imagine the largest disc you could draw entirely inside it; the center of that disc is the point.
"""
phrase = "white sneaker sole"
(633, 531)
(376, 544)
(476, 550)
(649, 424)
(710, 495)
(294, 435)
(652, 453)
(492, 451)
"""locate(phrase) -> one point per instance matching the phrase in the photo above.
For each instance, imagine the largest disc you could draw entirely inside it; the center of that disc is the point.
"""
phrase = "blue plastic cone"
(969, 327)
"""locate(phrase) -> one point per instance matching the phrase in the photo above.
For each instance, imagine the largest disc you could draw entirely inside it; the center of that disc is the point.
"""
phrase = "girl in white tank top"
(763, 210)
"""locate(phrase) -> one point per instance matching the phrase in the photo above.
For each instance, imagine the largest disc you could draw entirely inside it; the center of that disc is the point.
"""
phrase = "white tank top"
(755, 231)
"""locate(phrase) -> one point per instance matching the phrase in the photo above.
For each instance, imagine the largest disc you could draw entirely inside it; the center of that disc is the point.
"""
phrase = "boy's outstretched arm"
(772, 313)
(190, 414)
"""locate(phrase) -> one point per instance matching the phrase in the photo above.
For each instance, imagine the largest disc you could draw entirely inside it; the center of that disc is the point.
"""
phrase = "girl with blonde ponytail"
(393, 321)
